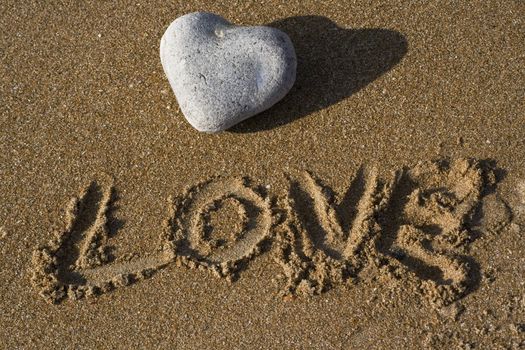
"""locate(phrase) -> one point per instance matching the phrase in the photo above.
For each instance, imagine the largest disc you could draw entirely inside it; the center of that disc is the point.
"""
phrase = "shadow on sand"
(332, 64)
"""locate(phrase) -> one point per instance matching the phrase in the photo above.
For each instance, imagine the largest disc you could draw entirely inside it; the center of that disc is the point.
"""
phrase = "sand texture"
(379, 205)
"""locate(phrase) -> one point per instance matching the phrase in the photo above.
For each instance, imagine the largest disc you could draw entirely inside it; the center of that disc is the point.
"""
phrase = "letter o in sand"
(191, 224)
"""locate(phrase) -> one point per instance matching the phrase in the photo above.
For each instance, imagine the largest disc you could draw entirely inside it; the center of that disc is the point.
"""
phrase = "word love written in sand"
(413, 226)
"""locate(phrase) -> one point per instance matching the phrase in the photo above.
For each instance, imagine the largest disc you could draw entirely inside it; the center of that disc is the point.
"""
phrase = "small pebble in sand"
(222, 74)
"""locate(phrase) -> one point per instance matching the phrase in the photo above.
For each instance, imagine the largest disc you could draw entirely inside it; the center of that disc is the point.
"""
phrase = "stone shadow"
(332, 64)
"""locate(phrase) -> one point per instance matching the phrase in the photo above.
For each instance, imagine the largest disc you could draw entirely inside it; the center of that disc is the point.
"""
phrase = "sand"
(380, 205)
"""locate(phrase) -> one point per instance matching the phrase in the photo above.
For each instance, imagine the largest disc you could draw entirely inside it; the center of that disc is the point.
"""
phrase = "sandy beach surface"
(379, 205)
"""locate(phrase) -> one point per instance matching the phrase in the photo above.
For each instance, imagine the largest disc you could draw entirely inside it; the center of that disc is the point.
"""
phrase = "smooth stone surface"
(222, 74)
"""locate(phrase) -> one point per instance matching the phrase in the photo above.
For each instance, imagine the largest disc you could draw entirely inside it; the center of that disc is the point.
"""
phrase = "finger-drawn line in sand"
(191, 234)
(425, 231)
(416, 226)
(326, 239)
(77, 261)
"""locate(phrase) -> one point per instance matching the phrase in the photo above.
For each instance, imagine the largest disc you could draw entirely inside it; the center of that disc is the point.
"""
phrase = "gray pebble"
(222, 74)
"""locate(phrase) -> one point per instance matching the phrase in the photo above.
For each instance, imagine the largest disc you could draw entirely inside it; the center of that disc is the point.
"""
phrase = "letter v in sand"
(327, 238)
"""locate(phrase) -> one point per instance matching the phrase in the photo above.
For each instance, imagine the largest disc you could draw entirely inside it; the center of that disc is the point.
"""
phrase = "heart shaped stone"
(222, 74)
